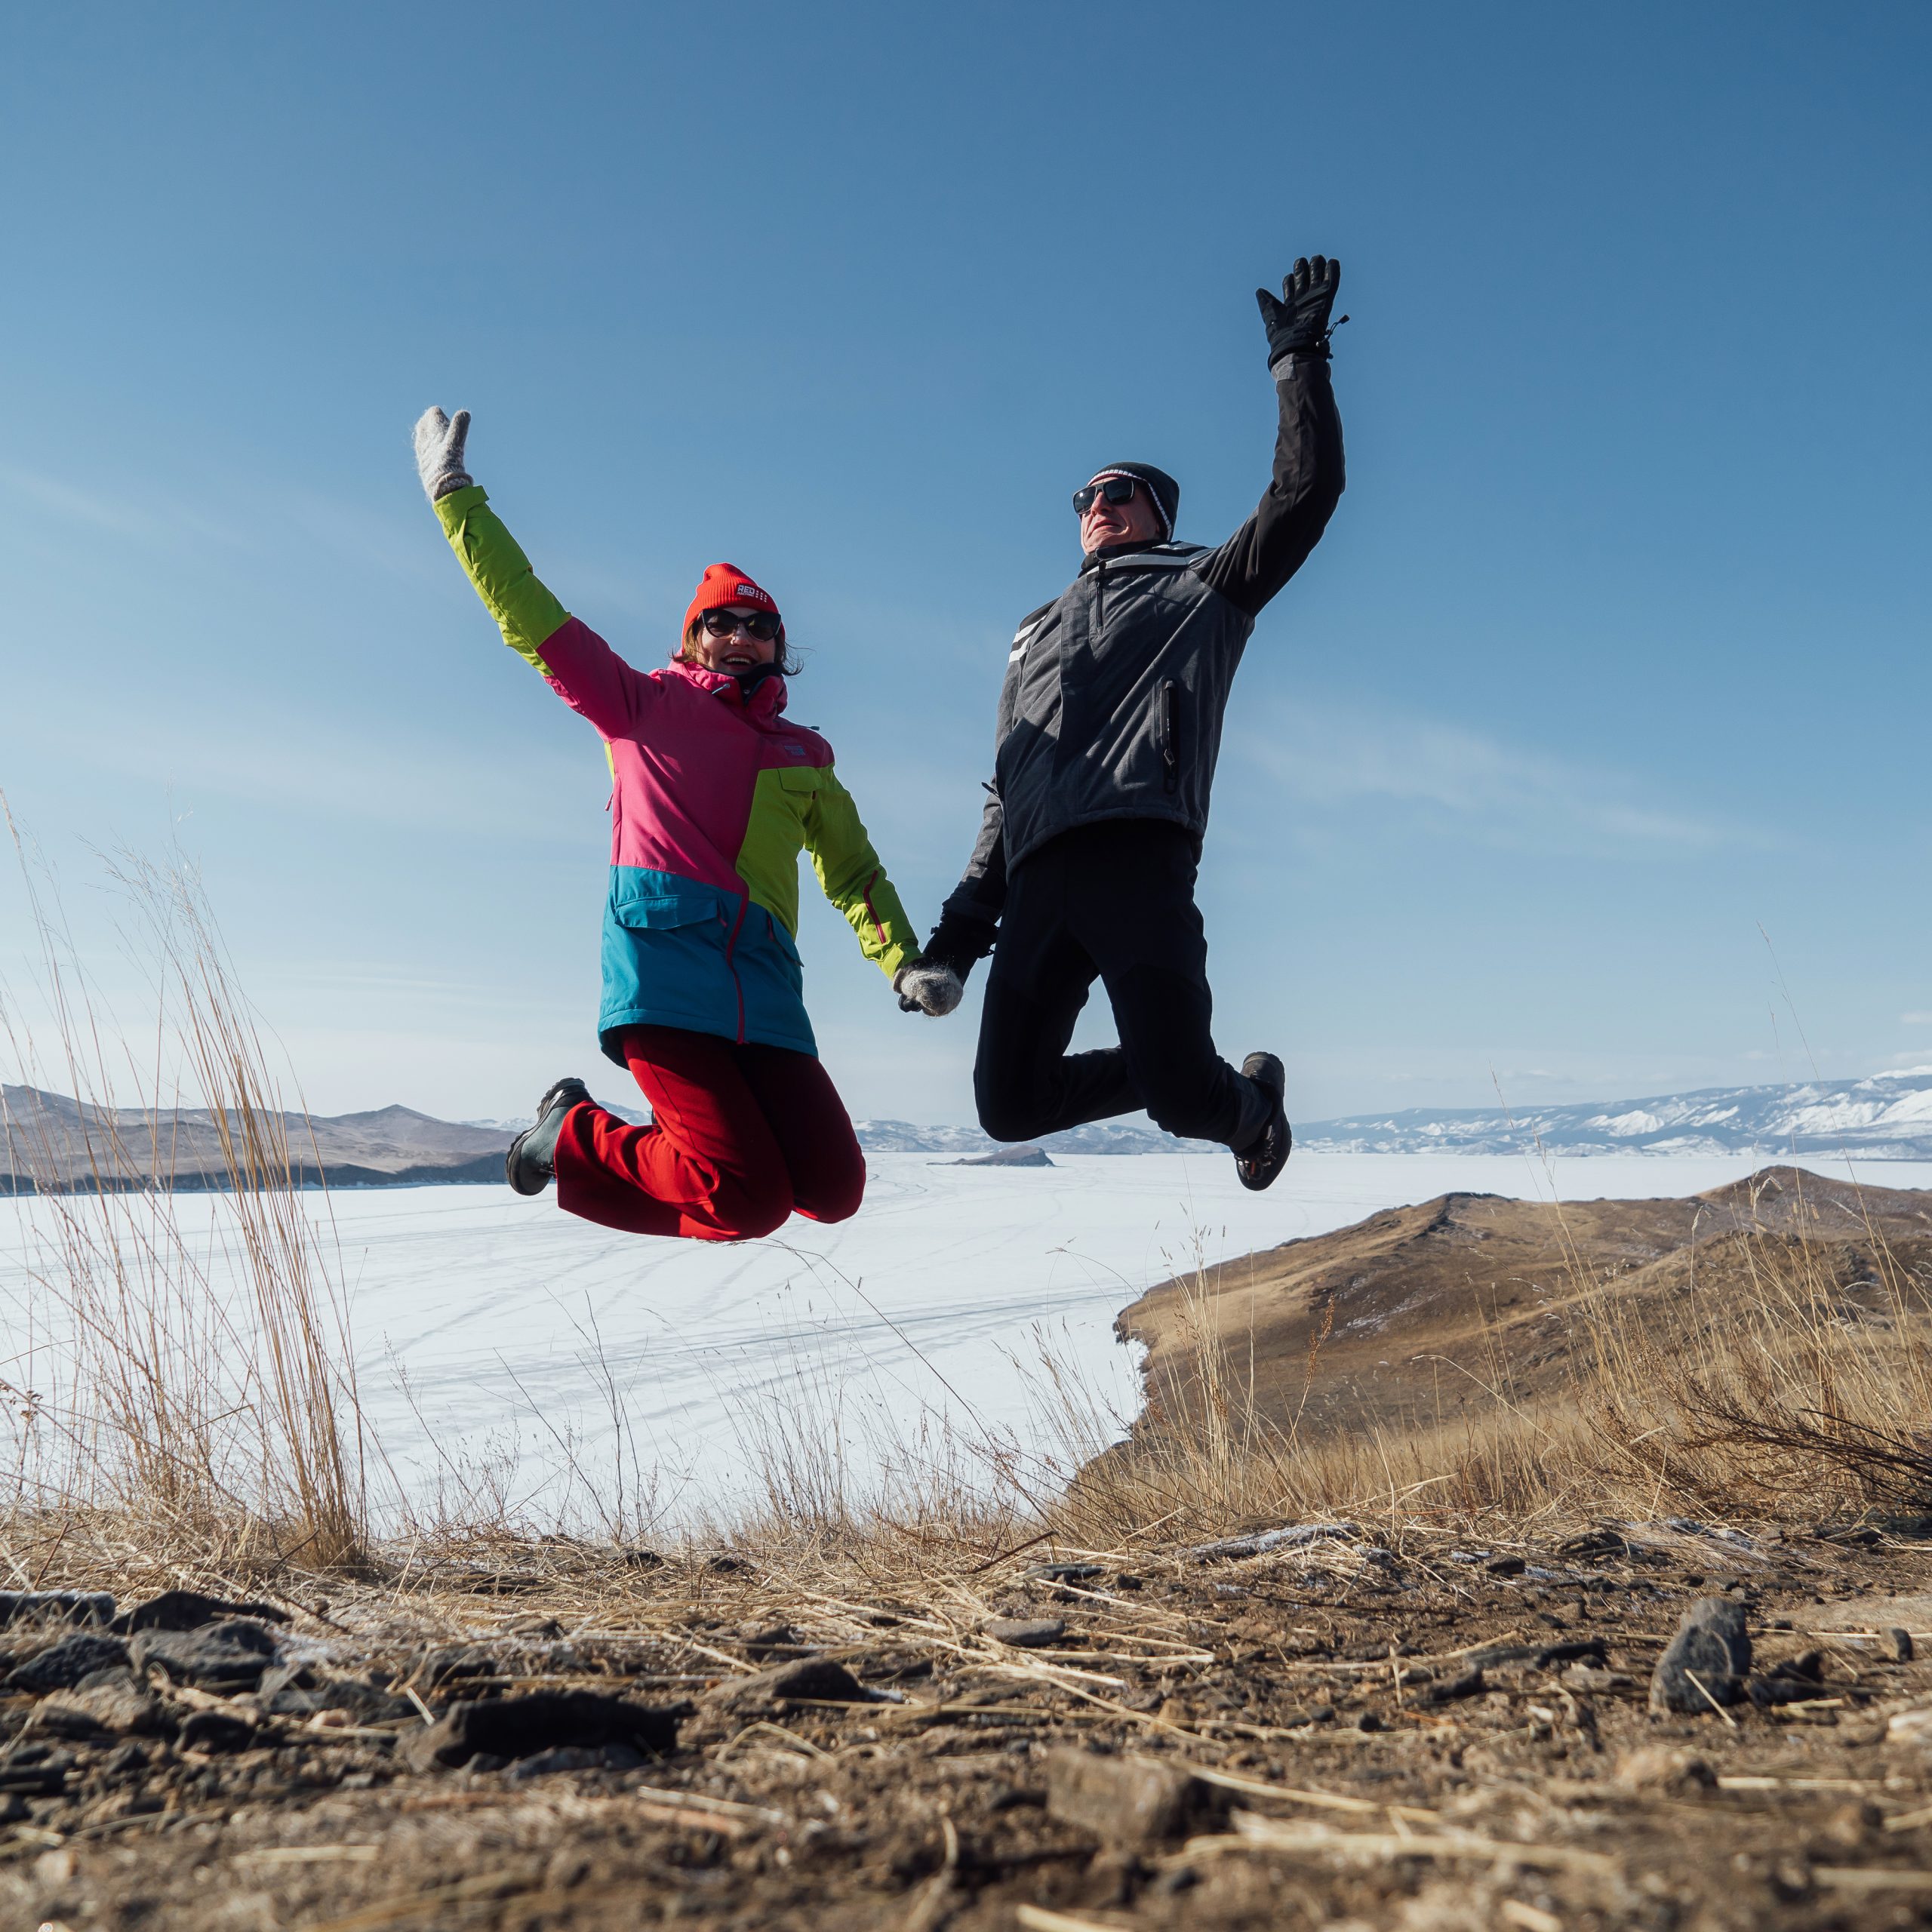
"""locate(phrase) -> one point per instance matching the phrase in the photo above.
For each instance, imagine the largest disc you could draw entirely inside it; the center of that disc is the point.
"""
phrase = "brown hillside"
(1421, 1313)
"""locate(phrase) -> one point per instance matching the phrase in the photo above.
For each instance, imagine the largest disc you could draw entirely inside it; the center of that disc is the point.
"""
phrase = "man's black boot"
(530, 1165)
(1259, 1164)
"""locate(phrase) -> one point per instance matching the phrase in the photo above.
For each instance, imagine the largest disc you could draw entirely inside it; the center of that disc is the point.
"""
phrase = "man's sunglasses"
(1115, 489)
(761, 624)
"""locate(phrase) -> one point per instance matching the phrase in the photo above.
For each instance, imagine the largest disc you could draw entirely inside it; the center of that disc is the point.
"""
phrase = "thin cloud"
(97, 510)
(1330, 756)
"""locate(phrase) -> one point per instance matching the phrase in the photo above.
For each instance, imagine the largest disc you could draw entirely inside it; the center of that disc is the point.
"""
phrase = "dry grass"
(181, 1377)
(1796, 1403)
(183, 1358)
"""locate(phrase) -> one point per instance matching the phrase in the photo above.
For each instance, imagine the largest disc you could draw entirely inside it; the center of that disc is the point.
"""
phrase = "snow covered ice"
(512, 1324)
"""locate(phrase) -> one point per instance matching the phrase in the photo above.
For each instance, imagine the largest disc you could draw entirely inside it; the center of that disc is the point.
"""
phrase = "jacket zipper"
(1169, 733)
(731, 960)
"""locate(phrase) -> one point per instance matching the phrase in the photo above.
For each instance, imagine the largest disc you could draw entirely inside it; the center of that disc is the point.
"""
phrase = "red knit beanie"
(725, 583)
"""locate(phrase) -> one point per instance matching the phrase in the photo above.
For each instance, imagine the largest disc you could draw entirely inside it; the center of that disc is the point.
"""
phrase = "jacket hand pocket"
(1167, 732)
(656, 911)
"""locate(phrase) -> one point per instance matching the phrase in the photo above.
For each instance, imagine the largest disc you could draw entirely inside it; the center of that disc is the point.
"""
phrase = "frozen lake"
(499, 1340)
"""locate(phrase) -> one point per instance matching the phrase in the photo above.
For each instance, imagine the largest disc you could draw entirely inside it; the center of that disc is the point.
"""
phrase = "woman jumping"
(713, 796)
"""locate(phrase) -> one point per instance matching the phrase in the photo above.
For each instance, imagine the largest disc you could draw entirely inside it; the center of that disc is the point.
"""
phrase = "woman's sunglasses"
(1115, 489)
(761, 624)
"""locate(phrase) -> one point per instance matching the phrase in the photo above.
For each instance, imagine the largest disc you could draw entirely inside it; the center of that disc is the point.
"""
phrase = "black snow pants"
(1113, 902)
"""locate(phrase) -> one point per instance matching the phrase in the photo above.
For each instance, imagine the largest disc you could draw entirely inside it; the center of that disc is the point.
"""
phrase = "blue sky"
(1615, 652)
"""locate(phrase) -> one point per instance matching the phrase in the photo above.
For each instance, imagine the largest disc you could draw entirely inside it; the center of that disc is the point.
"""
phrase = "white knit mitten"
(933, 990)
(439, 440)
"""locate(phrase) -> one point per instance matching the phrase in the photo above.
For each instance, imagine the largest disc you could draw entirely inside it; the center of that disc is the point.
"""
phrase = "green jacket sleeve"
(854, 881)
(526, 613)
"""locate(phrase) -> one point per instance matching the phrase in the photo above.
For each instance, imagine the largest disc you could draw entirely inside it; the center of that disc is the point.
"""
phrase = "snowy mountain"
(1888, 1117)
(899, 1137)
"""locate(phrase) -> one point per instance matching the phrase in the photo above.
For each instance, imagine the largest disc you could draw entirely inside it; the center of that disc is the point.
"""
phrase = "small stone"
(189, 1609)
(62, 1666)
(226, 1656)
(1506, 1566)
(1123, 1801)
(579, 1758)
(216, 1731)
(1913, 1727)
(1899, 1642)
(1469, 1685)
(1665, 1767)
(1026, 1633)
(1707, 1660)
(108, 1701)
(807, 1680)
(502, 1729)
(760, 1643)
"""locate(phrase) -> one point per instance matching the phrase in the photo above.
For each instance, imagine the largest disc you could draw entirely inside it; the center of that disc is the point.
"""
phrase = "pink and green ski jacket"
(712, 800)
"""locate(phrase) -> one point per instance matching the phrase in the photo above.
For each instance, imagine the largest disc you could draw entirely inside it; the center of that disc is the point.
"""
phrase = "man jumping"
(1109, 724)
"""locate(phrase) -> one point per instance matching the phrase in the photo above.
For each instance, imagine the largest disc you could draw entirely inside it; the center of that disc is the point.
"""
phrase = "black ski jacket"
(1114, 693)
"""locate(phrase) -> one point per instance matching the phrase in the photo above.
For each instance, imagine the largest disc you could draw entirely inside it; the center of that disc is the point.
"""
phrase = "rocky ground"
(1348, 1726)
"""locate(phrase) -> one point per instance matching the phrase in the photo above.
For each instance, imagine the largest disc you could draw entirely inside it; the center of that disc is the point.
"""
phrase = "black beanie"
(1162, 487)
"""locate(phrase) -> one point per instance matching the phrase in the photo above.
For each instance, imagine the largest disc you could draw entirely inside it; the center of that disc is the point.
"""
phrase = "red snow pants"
(743, 1137)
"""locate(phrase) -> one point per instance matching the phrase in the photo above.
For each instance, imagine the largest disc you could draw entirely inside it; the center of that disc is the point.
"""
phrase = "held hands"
(439, 440)
(927, 986)
(1297, 323)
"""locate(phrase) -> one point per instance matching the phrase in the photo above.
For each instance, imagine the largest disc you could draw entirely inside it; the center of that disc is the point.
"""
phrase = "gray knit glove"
(439, 440)
(928, 988)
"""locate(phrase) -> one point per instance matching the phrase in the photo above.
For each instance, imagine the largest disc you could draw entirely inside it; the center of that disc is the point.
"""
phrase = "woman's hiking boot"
(1259, 1165)
(530, 1165)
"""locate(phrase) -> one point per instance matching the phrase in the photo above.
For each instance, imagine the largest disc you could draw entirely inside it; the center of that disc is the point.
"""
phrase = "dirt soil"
(1341, 1732)
(1421, 1314)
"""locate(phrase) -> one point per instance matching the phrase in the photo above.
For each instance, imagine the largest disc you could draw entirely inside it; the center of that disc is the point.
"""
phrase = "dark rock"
(1807, 1669)
(216, 1731)
(1024, 1633)
(1707, 1660)
(1005, 1157)
(1766, 1691)
(580, 1758)
(1469, 1685)
(1574, 1649)
(807, 1680)
(1506, 1566)
(641, 1559)
(366, 1703)
(62, 1666)
(34, 1770)
(1123, 1801)
(226, 1656)
(189, 1609)
(1126, 1581)
(458, 1663)
(760, 1644)
(728, 1566)
(505, 1728)
(1898, 1642)
(107, 1701)
(94, 1606)
(1061, 1573)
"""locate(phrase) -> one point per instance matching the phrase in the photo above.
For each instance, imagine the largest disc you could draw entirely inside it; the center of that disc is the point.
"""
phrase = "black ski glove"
(1297, 324)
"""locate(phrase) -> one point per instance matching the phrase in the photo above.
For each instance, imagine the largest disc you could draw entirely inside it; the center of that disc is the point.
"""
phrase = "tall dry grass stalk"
(179, 1342)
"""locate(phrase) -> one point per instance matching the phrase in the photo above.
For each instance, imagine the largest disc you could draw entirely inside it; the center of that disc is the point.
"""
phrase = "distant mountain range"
(50, 1143)
(1888, 1117)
